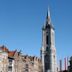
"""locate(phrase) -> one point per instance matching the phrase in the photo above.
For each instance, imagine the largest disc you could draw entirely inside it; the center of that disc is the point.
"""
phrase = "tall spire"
(48, 18)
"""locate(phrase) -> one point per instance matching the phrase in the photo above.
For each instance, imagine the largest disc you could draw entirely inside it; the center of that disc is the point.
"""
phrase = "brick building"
(13, 61)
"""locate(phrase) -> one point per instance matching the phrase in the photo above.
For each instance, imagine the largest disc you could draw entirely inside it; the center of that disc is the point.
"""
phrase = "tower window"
(47, 39)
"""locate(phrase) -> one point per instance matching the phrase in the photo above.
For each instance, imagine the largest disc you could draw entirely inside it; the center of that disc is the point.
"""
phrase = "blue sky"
(21, 22)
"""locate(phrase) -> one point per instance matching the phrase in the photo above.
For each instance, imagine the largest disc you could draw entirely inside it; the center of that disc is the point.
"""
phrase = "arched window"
(47, 39)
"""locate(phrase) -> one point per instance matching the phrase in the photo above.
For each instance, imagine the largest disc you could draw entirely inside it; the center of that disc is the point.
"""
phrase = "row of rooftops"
(12, 53)
(31, 58)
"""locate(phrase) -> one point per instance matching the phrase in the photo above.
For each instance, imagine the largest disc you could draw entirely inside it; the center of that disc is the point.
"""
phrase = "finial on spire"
(48, 12)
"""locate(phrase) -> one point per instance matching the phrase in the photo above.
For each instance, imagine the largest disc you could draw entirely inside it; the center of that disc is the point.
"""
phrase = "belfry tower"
(48, 50)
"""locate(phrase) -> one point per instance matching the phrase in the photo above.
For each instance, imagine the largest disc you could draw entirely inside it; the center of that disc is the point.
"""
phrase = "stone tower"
(48, 50)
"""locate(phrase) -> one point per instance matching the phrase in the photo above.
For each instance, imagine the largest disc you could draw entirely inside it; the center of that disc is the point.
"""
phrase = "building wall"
(11, 61)
(27, 64)
(3, 61)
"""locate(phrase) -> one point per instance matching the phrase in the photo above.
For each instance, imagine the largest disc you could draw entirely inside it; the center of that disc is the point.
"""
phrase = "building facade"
(13, 61)
(3, 59)
(6, 60)
(48, 50)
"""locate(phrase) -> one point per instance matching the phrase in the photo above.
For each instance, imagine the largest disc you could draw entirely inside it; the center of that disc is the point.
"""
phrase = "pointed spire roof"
(48, 18)
(48, 22)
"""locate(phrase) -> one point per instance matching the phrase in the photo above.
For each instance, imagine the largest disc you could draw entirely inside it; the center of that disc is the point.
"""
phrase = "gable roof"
(11, 53)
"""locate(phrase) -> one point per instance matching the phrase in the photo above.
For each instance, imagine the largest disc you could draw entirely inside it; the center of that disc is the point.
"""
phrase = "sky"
(21, 24)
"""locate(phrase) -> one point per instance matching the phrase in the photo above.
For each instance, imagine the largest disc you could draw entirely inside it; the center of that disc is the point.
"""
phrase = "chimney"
(65, 63)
